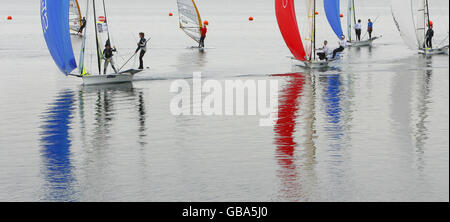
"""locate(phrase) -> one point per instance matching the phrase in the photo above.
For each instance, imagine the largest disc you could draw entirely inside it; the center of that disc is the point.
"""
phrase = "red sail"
(287, 21)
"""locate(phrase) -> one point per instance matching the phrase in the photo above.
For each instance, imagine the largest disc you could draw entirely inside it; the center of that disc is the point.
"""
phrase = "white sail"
(190, 20)
(422, 18)
(308, 39)
(403, 13)
(74, 15)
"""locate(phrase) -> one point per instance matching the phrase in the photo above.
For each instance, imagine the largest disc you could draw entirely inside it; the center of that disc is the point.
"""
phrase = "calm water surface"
(374, 129)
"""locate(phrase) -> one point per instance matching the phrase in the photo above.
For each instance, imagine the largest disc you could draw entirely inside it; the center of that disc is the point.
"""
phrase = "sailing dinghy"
(303, 50)
(190, 20)
(56, 29)
(412, 18)
(351, 21)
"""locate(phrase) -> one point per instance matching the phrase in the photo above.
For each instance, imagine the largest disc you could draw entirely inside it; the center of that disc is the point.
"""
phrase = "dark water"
(374, 129)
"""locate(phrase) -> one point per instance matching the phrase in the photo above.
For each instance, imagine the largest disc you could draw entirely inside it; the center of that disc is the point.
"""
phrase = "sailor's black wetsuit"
(108, 54)
(429, 38)
(83, 25)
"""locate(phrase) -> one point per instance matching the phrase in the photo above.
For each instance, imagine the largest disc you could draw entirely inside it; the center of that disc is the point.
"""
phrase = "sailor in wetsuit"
(429, 36)
(108, 54)
(324, 51)
(142, 45)
(358, 29)
(83, 25)
(342, 45)
(370, 28)
(203, 31)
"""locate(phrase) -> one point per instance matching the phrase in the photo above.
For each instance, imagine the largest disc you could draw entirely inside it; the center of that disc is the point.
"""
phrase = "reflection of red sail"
(287, 115)
(287, 21)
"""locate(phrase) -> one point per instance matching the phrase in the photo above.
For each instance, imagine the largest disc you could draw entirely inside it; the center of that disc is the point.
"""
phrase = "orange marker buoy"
(250, 18)
(9, 18)
(171, 14)
(206, 22)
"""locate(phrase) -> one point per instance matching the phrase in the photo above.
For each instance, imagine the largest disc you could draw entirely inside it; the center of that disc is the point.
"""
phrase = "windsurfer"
(324, 51)
(429, 36)
(342, 45)
(142, 45)
(358, 28)
(83, 25)
(108, 54)
(203, 31)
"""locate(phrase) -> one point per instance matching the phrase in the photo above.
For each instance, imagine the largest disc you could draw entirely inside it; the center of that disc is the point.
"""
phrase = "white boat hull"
(318, 64)
(364, 43)
(430, 52)
(123, 77)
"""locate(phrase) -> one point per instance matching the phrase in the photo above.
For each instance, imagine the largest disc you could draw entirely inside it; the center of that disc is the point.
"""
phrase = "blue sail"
(332, 9)
(55, 25)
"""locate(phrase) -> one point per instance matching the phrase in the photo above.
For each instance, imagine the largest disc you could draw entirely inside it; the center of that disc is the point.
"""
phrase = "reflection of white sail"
(190, 20)
(74, 15)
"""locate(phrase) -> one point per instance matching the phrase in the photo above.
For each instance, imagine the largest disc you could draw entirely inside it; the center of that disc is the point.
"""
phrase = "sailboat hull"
(364, 43)
(123, 77)
(438, 51)
(316, 64)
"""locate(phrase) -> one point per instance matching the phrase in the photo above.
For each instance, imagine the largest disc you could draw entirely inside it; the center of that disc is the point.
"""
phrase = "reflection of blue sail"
(56, 152)
(55, 26)
(332, 9)
(334, 109)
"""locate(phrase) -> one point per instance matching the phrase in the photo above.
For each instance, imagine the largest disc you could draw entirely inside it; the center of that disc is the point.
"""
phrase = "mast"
(349, 19)
(96, 40)
(427, 17)
(314, 31)
(83, 45)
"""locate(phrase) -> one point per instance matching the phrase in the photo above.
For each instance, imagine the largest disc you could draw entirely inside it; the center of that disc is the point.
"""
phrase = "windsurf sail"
(287, 22)
(74, 15)
(190, 20)
(332, 10)
(54, 17)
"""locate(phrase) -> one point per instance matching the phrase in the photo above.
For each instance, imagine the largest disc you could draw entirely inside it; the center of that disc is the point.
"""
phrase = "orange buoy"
(206, 22)
(171, 14)
(250, 18)
(342, 15)
(9, 18)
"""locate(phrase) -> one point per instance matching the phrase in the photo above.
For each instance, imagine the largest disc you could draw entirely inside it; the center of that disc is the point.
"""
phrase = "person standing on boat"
(142, 45)
(82, 25)
(358, 28)
(108, 54)
(429, 36)
(370, 28)
(203, 31)
(324, 51)
(342, 45)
